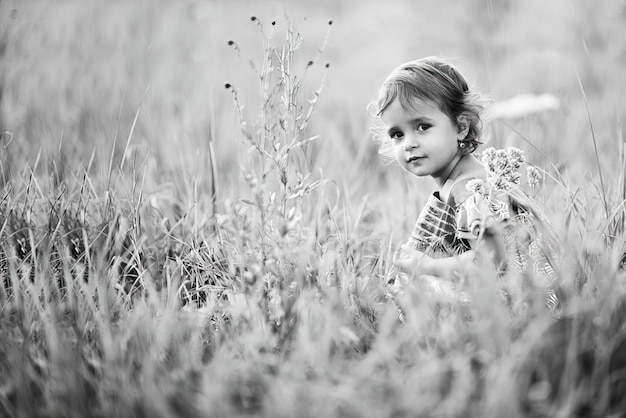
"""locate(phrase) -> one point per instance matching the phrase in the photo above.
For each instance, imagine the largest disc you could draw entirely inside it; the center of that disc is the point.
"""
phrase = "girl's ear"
(463, 124)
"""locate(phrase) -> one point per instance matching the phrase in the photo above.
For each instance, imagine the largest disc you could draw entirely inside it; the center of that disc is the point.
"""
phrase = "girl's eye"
(396, 136)
(422, 127)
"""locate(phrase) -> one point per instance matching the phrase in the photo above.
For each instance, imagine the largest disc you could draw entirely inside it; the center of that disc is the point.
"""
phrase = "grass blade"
(595, 146)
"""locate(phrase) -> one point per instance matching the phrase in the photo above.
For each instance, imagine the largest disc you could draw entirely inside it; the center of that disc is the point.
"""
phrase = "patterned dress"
(455, 219)
(435, 232)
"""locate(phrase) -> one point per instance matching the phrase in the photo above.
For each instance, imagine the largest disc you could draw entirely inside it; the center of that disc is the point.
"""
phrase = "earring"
(461, 144)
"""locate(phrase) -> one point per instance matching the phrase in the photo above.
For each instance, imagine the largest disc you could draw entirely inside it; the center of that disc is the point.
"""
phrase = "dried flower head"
(515, 177)
(503, 166)
(500, 184)
(476, 186)
(533, 175)
(516, 156)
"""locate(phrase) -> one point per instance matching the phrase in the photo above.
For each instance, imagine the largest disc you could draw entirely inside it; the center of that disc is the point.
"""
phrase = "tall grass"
(125, 296)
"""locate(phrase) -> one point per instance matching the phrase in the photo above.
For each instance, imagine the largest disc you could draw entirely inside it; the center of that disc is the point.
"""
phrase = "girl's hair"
(433, 80)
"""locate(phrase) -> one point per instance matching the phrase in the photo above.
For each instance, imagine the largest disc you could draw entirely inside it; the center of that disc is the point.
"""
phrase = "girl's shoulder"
(460, 192)
(456, 191)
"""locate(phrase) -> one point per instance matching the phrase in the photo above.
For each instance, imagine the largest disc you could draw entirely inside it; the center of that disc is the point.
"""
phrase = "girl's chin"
(416, 172)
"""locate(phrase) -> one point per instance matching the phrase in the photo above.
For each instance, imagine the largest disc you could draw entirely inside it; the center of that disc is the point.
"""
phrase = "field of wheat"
(195, 220)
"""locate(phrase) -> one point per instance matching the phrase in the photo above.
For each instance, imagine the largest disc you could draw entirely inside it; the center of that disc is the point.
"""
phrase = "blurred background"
(74, 75)
(136, 90)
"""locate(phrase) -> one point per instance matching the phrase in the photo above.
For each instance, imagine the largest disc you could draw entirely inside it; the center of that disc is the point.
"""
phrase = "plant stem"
(595, 146)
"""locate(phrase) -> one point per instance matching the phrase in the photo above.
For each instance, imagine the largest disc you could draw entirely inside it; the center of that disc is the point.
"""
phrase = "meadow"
(195, 219)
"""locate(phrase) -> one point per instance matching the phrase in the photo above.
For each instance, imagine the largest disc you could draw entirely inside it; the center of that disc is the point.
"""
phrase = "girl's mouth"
(412, 159)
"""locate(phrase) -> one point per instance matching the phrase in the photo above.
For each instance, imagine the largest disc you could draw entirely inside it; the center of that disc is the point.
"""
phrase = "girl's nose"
(409, 142)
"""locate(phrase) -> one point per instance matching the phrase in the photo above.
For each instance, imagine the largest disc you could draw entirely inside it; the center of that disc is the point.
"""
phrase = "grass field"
(195, 220)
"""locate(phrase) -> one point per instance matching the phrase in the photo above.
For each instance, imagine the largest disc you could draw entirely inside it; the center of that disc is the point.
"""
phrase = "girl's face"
(424, 139)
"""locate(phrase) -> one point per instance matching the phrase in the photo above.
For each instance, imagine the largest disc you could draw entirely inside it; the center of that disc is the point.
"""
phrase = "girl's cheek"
(397, 152)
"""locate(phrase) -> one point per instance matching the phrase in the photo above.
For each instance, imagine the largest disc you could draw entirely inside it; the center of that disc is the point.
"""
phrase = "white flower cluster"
(476, 186)
(533, 175)
(503, 167)
(503, 171)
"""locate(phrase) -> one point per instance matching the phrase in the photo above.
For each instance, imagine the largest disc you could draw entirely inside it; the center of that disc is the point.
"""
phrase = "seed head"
(309, 63)
(330, 22)
(500, 184)
(273, 22)
(516, 156)
(231, 42)
(476, 186)
(227, 85)
(533, 175)
(327, 65)
(253, 18)
(488, 155)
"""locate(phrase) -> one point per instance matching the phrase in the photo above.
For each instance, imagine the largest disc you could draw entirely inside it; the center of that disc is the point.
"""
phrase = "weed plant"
(121, 301)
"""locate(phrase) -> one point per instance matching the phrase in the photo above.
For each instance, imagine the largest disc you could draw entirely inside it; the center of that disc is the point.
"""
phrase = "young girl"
(432, 121)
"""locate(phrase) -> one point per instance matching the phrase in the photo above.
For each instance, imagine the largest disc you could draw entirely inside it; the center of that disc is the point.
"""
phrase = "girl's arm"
(416, 262)
(448, 268)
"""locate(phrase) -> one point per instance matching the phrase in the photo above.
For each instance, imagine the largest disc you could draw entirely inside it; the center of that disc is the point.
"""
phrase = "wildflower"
(488, 155)
(501, 160)
(516, 156)
(500, 184)
(515, 177)
(488, 158)
(476, 186)
(533, 175)
(503, 167)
